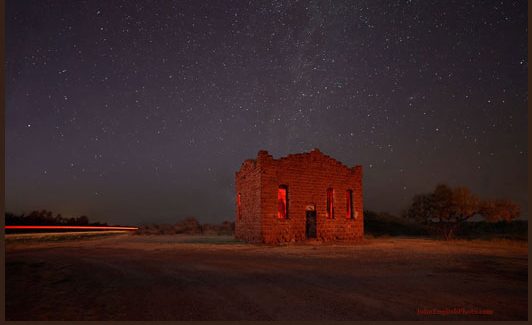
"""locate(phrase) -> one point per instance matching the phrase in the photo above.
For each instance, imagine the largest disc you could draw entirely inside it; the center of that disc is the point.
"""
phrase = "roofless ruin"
(298, 197)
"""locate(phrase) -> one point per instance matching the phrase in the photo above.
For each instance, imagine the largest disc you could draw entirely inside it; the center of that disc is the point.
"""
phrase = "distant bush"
(516, 230)
(188, 226)
(385, 224)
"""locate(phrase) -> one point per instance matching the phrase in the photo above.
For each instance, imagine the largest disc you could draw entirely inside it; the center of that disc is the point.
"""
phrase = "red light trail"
(73, 227)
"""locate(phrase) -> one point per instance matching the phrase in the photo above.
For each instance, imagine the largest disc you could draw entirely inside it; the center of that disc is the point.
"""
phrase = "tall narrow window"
(330, 203)
(349, 204)
(282, 202)
(238, 206)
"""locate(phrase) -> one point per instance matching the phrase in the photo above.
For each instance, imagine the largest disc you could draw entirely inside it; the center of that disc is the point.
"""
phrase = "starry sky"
(134, 112)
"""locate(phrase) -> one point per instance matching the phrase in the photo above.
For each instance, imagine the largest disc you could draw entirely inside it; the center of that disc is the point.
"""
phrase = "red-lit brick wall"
(248, 224)
(307, 176)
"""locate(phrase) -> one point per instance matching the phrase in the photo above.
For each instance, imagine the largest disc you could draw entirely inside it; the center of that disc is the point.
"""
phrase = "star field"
(142, 111)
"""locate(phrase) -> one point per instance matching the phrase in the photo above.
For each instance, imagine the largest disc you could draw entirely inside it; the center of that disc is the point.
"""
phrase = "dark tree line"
(47, 218)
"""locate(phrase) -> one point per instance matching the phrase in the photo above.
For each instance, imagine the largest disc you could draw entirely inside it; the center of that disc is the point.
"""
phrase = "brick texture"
(307, 176)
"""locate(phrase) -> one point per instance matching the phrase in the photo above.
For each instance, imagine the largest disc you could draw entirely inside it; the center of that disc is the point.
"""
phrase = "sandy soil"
(126, 277)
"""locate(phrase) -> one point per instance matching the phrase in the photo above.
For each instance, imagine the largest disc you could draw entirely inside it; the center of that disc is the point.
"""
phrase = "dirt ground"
(127, 277)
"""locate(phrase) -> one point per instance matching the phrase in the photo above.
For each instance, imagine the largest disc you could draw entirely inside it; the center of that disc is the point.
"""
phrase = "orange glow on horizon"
(73, 227)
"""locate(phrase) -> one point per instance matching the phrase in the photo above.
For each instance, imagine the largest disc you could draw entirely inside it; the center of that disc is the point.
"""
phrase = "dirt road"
(127, 277)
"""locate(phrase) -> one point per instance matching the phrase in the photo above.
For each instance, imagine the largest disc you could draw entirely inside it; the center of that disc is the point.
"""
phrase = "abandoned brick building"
(298, 197)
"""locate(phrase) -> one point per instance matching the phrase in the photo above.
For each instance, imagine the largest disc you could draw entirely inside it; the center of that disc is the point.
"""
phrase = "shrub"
(188, 226)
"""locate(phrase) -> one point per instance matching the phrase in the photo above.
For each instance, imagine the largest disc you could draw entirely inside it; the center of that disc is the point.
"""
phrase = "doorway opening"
(311, 224)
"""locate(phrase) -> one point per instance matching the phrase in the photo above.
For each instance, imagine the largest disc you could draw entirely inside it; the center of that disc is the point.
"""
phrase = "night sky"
(142, 111)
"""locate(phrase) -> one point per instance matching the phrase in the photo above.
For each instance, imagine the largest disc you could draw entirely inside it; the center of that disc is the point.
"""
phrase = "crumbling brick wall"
(307, 177)
(248, 223)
